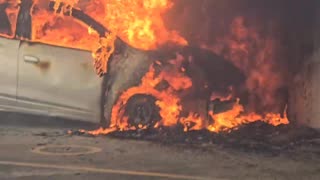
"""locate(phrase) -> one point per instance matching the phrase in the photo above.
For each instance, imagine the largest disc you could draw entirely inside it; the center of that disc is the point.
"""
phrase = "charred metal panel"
(125, 70)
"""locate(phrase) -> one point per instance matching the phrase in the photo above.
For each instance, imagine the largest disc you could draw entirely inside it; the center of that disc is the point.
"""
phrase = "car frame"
(44, 79)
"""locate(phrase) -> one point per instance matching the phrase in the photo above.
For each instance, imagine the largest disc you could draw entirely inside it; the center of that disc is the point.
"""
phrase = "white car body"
(48, 80)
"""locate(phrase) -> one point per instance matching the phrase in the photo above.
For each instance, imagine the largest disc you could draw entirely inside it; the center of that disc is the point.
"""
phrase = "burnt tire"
(142, 110)
(126, 68)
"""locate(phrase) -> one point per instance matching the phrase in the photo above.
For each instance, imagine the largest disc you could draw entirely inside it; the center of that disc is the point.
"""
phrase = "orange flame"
(192, 122)
(56, 29)
(167, 100)
(137, 22)
(256, 55)
(103, 53)
(234, 118)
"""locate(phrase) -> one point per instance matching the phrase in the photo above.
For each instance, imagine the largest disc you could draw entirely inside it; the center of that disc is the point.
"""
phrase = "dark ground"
(254, 152)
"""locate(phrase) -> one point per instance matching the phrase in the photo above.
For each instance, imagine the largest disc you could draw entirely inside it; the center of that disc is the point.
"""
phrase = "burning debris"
(156, 78)
(257, 137)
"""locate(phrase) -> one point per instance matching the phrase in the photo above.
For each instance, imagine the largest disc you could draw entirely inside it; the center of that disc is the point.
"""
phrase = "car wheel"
(142, 111)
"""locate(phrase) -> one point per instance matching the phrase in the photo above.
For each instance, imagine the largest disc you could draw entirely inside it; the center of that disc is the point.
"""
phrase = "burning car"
(41, 80)
(151, 76)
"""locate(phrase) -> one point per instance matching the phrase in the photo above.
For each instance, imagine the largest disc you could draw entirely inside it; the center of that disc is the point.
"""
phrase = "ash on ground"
(254, 137)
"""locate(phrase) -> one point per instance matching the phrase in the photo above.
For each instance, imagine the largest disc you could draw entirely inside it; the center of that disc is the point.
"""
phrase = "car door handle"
(31, 59)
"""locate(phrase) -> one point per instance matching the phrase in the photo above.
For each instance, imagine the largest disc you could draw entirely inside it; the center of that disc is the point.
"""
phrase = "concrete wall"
(304, 92)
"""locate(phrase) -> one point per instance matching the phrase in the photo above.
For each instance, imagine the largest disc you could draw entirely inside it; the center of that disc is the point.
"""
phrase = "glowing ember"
(100, 131)
(192, 122)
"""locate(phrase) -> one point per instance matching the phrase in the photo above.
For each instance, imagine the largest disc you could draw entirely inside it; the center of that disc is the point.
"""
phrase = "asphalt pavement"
(39, 148)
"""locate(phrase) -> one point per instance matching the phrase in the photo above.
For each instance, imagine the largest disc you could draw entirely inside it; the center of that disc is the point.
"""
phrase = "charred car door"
(58, 81)
(8, 61)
